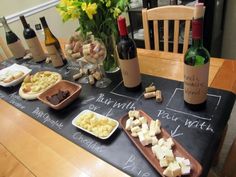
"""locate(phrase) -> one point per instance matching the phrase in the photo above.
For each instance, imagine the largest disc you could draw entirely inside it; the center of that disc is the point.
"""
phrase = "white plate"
(13, 68)
(98, 116)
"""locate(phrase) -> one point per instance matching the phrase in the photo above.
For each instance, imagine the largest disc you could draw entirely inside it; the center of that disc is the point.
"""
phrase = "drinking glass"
(95, 53)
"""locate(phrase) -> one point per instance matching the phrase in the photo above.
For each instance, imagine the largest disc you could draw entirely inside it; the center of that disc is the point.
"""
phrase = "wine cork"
(158, 96)
(150, 88)
(77, 76)
(199, 11)
(97, 75)
(149, 95)
(91, 80)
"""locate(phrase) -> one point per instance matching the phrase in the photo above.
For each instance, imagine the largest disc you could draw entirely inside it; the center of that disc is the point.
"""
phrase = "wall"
(229, 37)
(59, 29)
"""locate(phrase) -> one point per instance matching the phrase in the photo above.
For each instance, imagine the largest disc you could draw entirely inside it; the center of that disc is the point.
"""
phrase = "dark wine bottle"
(53, 46)
(32, 42)
(13, 42)
(196, 65)
(127, 54)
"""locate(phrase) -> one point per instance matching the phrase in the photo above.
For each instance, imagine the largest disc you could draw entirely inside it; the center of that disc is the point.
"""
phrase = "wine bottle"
(13, 42)
(127, 56)
(52, 45)
(196, 65)
(32, 42)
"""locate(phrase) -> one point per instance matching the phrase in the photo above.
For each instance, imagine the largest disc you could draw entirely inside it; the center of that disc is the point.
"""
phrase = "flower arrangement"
(96, 16)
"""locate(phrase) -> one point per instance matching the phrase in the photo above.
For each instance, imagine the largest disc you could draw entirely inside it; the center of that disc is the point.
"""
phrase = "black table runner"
(198, 132)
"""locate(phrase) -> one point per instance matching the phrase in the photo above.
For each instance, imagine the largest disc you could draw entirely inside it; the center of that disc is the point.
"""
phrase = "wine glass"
(95, 52)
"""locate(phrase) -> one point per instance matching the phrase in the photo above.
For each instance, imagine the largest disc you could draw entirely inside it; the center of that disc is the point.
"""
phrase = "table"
(42, 146)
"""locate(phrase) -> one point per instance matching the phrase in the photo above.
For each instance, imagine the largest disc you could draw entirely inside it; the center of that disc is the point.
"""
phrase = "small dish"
(98, 116)
(178, 150)
(13, 69)
(63, 85)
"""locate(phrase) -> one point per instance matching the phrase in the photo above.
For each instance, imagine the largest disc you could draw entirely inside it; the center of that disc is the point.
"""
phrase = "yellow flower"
(90, 9)
(108, 4)
(116, 12)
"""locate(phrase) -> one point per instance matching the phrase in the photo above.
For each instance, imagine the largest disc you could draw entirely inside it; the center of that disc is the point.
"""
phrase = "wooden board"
(178, 150)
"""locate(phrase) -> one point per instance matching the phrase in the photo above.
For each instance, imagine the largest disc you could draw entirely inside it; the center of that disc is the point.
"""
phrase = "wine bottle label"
(55, 56)
(130, 72)
(196, 83)
(36, 49)
(17, 49)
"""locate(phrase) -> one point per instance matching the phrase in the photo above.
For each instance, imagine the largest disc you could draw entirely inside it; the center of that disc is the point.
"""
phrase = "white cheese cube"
(132, 118)
(155, 127)
(170, 143)
(168, 172)
(161, 142)
(145, 127)
(168, 154)
(129, 124)
(154, 140)
(164, 162)
(143, 120)
(186, 162)
(137, 122)
(154, 148)
(175, 168)
(135, 129)
(144, 139)
(185, 170)
(160, 154)
(134, 134)
(134, 113)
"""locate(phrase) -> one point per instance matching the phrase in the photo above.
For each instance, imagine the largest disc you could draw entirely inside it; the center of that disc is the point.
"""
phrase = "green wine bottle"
(196, 65)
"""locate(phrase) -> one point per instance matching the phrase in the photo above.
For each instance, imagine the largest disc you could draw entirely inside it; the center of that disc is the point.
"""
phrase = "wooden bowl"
(73, 88)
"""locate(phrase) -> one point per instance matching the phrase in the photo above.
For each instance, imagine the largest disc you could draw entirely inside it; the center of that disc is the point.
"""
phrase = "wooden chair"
(229, 169)
(4, 51)
(167, 13)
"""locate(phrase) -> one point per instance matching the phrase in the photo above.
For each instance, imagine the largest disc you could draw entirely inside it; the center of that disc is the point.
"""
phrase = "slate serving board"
(197, 132)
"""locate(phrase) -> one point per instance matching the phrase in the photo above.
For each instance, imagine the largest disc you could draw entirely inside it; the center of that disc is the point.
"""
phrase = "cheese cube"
(161, 142)
(154, 140)
(159, 153)
(155, 127)
(164, 162)
(129, 124)
(143, 120)
(144, 139)
(168, 154)
(135, 129)
(170, 143)
(176, 170)
(134, 113)
(145, 127)
(168, 172)
(134, 134)
(137, 122)
(185, 170)
(184, 164)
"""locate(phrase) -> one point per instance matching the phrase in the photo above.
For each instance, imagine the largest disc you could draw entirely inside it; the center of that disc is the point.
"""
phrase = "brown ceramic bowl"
(73, 88)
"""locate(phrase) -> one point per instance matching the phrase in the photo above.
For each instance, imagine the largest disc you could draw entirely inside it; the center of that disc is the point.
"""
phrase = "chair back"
(4, 50)
(165, 14)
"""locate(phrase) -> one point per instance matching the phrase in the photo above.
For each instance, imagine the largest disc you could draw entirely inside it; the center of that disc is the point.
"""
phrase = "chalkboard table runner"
(198, 132)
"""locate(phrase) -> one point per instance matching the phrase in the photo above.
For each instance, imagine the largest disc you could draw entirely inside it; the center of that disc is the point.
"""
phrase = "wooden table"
(27, 148)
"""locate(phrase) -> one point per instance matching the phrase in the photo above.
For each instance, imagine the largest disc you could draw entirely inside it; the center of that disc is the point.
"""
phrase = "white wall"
(59, 29)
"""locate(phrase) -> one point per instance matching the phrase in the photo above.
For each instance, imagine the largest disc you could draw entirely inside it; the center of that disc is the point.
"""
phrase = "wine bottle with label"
(13, 42)
(196, 64)
(32, 42)
(53, 46)
(127, 56)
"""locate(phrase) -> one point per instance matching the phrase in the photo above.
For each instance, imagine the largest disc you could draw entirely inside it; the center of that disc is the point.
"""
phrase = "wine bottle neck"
(197, 32)
(23, 21)
(5, 25)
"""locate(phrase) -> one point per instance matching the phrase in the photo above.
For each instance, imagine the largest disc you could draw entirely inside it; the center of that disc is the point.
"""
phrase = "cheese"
(135, 129)
(143, 120)
(134, 134)
(134, 113)
(144, 138)
(164, 162)
(155, 127)
(154, 140)
(145, 127)
(184, 164)
(137, 122)
(129, 124)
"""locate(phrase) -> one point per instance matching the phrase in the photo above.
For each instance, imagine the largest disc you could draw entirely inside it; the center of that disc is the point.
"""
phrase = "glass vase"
(110, 63)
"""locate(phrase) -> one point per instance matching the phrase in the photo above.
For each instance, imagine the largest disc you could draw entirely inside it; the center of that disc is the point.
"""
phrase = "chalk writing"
(46, 118)
(174, 133)
(14, 100)
(115, 104)
(131, 165)
(93, 107)
(89, 143)
(201, 124)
